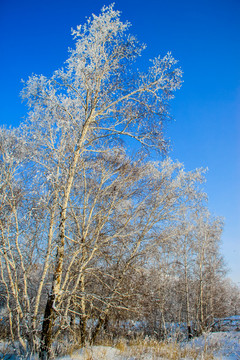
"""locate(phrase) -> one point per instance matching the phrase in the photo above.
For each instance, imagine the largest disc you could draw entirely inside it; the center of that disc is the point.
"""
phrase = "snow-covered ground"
(221, 345)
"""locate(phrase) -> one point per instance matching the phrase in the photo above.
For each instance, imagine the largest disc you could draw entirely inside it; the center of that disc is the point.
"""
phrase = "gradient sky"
(203, 35)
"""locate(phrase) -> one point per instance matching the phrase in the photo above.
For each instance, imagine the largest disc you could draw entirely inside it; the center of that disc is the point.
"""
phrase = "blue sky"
(203, 35)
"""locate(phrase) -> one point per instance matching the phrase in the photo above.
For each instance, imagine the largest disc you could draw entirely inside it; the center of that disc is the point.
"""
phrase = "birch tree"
(96, 100)
(207, 232)
(19, 226)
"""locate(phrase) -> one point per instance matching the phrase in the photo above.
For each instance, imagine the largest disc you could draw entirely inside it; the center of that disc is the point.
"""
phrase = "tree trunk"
(83, 327)
(47, 329)
(50, 314)
(97, 329)
(83, 318)
(189, 330)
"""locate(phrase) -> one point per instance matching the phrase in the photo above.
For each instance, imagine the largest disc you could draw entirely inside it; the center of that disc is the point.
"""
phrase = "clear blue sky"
(203, 35)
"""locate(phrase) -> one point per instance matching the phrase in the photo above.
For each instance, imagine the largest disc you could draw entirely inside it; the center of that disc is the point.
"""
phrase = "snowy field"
(220, 345)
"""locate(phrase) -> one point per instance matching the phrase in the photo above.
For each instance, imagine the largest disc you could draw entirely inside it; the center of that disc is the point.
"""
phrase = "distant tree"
(208, 263)
(184, 260)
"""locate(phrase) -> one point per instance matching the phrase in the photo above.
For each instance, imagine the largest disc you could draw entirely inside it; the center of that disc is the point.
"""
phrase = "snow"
(220, 345)
(94, 353)
(224, 345)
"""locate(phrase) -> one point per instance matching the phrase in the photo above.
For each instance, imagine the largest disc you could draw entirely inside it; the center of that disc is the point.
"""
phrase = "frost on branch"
(99, 87)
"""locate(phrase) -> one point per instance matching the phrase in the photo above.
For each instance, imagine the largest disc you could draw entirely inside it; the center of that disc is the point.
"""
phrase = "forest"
(102, 235)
